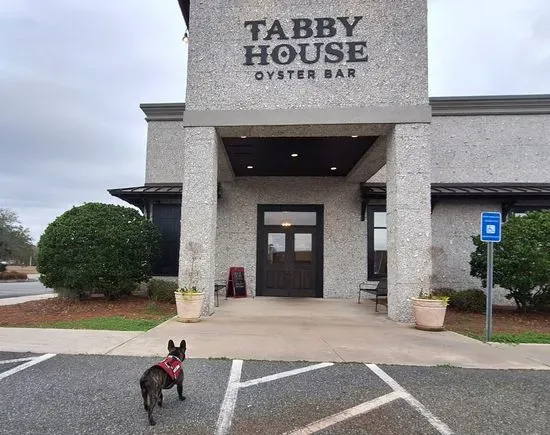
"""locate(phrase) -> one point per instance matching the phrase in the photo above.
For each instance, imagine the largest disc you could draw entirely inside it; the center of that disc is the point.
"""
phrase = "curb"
(22, 299)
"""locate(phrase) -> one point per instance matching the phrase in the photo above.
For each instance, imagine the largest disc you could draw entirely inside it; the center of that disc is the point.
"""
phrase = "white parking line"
(26, 365)
(230, 399)
(11, 361)
(284, 374)
(233, 385)
(441, 427)
(434, 421)
(345, 414)
(398, 393)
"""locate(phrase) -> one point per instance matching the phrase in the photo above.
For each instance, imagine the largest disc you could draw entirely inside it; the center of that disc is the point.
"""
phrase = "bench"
(380, 291)
(217, 288)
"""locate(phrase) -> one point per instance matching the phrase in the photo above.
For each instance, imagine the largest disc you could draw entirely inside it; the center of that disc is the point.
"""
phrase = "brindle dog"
(155, 379)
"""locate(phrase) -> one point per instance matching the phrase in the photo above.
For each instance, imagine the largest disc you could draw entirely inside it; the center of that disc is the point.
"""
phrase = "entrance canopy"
(296, 156)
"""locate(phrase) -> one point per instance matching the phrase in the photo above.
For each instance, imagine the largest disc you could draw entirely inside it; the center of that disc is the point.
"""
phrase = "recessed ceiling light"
(355, 136)
(243, 137)
(333, 168)
(294, 155)
(250, 167)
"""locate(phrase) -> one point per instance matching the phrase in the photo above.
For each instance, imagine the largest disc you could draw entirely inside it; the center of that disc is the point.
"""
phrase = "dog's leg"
(160, 399)
(152, 422)
(152, 403)
(180, 390)
(144, 395)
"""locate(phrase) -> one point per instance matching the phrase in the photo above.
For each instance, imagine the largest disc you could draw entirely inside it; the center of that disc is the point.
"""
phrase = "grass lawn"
(509, 326)
(115, 323)
(517, 338)
(134, 313)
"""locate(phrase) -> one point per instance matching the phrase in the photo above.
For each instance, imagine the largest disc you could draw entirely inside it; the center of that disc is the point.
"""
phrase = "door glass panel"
(303, 248)
(290, 218)
(380, 239)
(380, 250)
(380, 219)
(381, 262)
(276, 245)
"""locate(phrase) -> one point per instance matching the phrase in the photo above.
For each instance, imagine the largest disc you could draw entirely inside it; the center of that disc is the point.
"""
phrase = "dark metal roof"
(184, 6)
(149, 189)
(513, 190)
(140, 194)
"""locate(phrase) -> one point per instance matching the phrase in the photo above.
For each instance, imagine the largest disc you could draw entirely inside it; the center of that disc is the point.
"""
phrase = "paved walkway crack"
(331, 348)
(123, 343)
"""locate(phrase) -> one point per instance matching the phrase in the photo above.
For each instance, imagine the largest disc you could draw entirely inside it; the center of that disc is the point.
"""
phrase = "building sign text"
(304, 41)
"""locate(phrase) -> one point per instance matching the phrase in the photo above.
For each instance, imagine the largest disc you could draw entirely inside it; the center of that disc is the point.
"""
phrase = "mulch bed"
(56, 309)
(505, 320)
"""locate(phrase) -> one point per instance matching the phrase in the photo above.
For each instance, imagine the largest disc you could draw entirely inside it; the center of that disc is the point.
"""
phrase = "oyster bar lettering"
(290, 45)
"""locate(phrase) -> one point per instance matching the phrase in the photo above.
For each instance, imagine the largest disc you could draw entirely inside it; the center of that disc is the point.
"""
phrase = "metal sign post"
(491, 228)
(489, 304)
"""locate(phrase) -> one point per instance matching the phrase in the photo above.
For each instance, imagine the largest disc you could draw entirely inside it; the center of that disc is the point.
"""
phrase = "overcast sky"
(73, 73)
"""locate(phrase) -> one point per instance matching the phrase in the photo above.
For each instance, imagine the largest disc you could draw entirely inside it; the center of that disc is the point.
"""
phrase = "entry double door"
(289, 261)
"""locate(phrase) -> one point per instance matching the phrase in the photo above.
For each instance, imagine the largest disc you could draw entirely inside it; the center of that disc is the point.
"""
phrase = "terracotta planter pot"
(429, 314)
(189, 306)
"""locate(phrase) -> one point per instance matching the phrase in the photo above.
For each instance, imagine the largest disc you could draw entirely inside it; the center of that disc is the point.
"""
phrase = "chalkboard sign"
(236, 284)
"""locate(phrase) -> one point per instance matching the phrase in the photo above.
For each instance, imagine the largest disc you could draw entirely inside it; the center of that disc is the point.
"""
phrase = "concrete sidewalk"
(290, 330)
(327, 330)
(64, 341)
(21, 299)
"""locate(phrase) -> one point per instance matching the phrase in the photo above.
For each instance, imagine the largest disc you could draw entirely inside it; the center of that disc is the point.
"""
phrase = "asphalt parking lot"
(27, 288)
(61, 394)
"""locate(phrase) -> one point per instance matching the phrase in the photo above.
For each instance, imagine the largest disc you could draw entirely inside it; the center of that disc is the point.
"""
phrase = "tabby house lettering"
(304, 41)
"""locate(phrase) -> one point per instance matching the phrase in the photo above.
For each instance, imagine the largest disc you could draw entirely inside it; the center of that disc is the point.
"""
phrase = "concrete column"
(199, 212)
(408, 208)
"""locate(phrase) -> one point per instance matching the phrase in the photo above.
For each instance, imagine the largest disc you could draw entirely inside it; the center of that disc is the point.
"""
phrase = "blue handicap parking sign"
(491, 225)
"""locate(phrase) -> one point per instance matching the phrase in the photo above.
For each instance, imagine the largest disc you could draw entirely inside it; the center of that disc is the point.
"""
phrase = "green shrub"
(521, 260)
(449, 292)
(471, 300)
(541, 299)
(3, 267)
(97, 248)
(160, 290)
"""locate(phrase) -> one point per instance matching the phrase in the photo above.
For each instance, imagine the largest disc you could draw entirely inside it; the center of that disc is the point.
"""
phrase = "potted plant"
(429, 311)
(189, 298)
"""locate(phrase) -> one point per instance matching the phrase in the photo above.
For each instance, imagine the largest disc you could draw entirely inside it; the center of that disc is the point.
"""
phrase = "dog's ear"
(183, 345)
(171, 345)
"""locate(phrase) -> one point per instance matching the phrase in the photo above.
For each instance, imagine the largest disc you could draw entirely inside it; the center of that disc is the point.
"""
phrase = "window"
(303, 248)
(276, 248)
(377, 242)
(290, 218)
(166, 218)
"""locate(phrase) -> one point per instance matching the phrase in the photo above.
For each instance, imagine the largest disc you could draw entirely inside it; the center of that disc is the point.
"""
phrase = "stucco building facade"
(309, 152)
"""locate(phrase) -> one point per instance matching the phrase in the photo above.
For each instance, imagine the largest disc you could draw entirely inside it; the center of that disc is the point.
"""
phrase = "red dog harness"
(172, 366)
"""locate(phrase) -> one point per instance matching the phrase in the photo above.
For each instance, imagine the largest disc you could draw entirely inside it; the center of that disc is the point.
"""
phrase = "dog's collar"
(174, 356)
